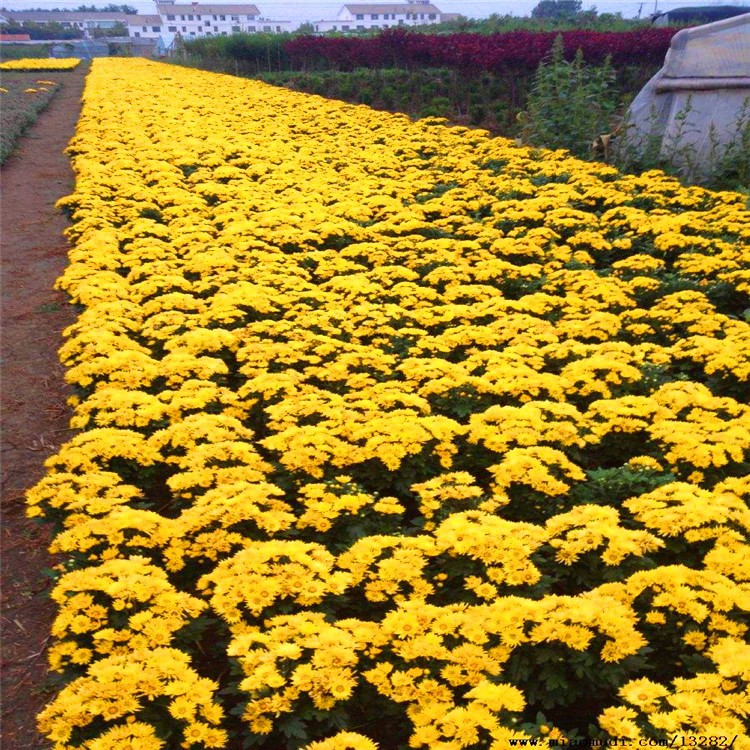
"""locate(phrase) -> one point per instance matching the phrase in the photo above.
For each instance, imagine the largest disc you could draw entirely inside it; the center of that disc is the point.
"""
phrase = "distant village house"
(359, 17)
(67, 19)
(196, 20)
(156, 33)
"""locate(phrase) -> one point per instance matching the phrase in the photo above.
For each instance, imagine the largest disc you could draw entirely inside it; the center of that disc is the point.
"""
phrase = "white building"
(145, 27)
(69, 19)
(359, 17)
(197, 20)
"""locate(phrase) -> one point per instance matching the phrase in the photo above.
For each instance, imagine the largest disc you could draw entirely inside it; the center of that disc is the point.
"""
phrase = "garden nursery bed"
(390, 434)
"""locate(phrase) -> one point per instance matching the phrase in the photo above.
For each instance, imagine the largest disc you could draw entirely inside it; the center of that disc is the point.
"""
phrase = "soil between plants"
(35, 417)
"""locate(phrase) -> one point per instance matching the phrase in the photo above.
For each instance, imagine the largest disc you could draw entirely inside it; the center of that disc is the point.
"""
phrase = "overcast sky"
(316, 10)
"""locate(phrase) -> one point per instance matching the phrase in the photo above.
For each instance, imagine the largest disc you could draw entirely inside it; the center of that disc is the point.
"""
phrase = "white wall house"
(69, 19)
(145, 27)
(198, 20)
(358, 17)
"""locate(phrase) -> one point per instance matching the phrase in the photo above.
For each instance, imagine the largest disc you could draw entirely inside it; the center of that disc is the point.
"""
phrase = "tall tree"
(111, 8)
(557, 9)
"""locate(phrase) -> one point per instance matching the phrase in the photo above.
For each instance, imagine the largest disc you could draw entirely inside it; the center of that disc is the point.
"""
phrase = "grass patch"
(488, 100)
(21, 51)
(24, 96)
(50, 307)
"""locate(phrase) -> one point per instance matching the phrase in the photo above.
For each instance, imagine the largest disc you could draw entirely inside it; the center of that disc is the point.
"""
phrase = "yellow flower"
(62, 63)
(339, 375)
(643, 693)
(344, 741)
(497, 697)
(618, 722)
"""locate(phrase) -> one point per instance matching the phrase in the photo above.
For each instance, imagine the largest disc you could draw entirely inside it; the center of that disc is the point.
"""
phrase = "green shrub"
(732, 168)
(570, 103)
(21, 51)
(439, 106)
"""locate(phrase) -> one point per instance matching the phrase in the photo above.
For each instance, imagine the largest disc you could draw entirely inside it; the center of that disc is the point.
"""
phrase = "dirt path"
(34, 413)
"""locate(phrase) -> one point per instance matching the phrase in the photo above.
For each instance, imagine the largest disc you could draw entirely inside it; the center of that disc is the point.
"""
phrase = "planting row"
(519, 49)
(39, 64)
(22, 96)
(392, 434)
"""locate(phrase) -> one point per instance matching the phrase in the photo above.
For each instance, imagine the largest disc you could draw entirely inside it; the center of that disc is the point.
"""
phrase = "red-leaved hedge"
(518, 49)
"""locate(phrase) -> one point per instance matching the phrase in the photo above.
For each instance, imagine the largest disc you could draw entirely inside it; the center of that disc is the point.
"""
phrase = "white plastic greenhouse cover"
(693, 106)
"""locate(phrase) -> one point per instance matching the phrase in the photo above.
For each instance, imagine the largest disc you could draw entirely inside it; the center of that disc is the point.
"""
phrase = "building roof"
(14, 38)
(143, 20)
(250, 10)
(398, 8)
(719, 12)
(56, 16)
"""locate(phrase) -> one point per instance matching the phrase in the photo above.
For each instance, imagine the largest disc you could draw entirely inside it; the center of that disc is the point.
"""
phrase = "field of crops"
(39, 64)
(519, 49)
(22, 97)
(392, 434)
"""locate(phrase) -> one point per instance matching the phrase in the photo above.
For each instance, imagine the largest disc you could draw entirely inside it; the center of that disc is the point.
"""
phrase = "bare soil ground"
(35, 417)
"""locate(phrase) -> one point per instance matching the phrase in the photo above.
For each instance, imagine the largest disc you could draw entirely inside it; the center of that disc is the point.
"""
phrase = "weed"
(726, 166)
(570, 103)
(19, 108)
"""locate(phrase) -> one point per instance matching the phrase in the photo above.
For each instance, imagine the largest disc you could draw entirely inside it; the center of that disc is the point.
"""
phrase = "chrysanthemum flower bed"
(42, 63)
(391, 433)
